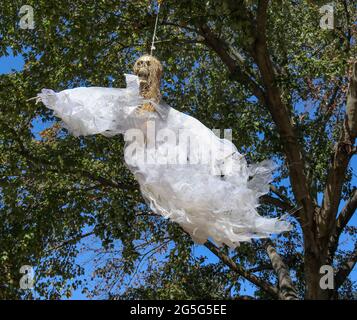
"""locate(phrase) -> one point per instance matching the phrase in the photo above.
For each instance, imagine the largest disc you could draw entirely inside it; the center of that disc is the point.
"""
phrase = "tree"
(266, 69)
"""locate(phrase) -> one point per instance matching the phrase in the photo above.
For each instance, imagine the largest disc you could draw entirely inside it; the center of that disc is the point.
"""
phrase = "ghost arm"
(92, 110)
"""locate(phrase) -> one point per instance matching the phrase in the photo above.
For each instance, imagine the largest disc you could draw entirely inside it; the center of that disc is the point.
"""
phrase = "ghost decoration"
(186, 172)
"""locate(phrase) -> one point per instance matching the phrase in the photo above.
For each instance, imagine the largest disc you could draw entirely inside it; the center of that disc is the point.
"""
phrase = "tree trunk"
(313, 290)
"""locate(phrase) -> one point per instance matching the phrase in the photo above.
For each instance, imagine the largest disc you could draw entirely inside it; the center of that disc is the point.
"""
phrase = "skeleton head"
(149, 71)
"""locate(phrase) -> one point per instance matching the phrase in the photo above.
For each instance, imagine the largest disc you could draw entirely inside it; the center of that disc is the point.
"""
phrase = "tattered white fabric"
(85, 111)
(205, 185)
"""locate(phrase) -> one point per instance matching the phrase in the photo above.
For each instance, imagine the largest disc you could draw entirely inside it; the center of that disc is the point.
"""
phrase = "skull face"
(147, 67)
(142, 69)
(149, 71)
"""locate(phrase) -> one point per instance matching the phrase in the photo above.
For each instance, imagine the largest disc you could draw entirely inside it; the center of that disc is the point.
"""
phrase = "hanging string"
(155, 28)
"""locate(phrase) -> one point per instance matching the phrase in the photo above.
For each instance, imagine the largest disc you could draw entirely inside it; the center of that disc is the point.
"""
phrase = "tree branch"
(69, 241)
(351, 107)
(266, 199)
(281, 195)
(341, 158)
(283, 203)
(268, 288)
(235, 67)
(287, 290)
(293, 151)
(342, 220)
(345, 269)
(282, 119)
(346, 213)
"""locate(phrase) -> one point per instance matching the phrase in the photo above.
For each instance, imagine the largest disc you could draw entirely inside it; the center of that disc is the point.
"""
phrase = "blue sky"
(10, 64)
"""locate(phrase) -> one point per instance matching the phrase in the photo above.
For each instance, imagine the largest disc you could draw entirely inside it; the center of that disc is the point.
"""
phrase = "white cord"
(155, 28)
